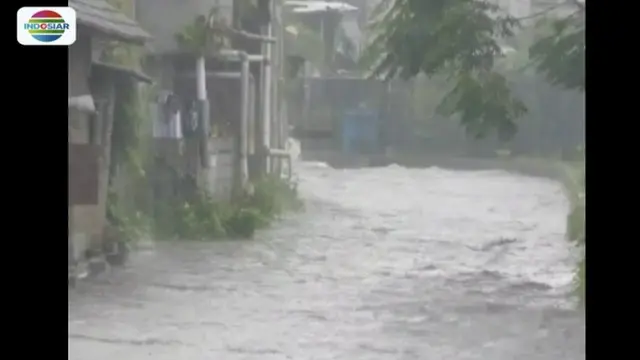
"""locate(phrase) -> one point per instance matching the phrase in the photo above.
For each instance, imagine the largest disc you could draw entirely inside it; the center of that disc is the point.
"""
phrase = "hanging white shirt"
(168, 126)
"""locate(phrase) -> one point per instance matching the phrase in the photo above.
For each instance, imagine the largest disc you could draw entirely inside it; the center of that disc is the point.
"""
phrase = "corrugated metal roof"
(99, 15)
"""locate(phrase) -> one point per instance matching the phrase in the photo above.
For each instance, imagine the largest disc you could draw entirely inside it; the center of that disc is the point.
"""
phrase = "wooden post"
(240, 166)
(245, 83)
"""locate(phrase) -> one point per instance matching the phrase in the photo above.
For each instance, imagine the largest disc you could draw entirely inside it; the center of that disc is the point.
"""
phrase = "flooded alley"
(385, 263)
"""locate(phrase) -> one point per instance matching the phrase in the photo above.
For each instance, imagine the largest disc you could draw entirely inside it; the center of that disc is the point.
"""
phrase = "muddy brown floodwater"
(385, 263)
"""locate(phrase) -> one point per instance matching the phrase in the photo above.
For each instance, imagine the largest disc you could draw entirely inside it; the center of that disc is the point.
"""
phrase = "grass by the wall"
(203, 218)
(576, 220)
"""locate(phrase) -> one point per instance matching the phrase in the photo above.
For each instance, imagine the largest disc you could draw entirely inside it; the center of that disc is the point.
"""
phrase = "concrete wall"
(84, 222)
(162, 71)
(79, 66)
(220, 174)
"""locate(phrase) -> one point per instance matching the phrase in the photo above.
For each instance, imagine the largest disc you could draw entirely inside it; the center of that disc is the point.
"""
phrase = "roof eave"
(141, 39)
(124, 71)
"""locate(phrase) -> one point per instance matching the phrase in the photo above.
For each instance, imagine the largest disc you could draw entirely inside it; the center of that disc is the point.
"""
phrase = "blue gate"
(360, 131)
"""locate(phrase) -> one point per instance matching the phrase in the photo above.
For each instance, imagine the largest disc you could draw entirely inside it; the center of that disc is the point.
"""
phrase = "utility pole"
(203, 110)
(267, 91)
(278, 135)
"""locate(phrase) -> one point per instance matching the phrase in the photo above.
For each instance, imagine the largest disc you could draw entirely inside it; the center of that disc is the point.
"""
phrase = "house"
(175, 72)
(91, 99)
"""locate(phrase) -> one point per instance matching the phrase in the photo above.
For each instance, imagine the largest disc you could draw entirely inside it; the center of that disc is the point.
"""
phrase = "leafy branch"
(461, 39)
(560, 54)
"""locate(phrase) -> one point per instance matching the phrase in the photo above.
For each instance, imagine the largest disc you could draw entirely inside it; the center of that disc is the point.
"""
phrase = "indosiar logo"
(46, 26)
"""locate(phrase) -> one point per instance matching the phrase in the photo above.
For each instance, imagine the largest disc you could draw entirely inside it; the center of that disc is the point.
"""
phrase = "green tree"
(560, 54)
(463, 39)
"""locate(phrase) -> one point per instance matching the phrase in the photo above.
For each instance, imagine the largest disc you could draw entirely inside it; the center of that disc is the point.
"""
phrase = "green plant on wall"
(201, 217)
(117, 53)
(128, 146)
(205, 35)
(129, 114)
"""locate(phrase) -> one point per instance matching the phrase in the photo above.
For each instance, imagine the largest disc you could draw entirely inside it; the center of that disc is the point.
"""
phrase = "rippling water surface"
(386, 263)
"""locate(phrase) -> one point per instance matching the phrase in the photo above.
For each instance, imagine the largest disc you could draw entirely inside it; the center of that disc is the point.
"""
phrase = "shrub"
(202, 218)
(272, 196)
(576, 221)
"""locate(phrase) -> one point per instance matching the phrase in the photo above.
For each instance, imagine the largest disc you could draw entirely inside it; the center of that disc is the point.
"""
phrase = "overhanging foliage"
(462, 40)
(560, 54)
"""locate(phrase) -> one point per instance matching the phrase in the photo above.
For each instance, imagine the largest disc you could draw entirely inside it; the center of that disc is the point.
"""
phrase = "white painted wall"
(220, 173)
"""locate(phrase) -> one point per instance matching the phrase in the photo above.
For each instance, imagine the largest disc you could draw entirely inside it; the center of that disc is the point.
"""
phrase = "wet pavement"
(385, 263)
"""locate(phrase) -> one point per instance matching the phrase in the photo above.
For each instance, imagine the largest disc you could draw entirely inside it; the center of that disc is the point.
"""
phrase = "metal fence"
(554, 124)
